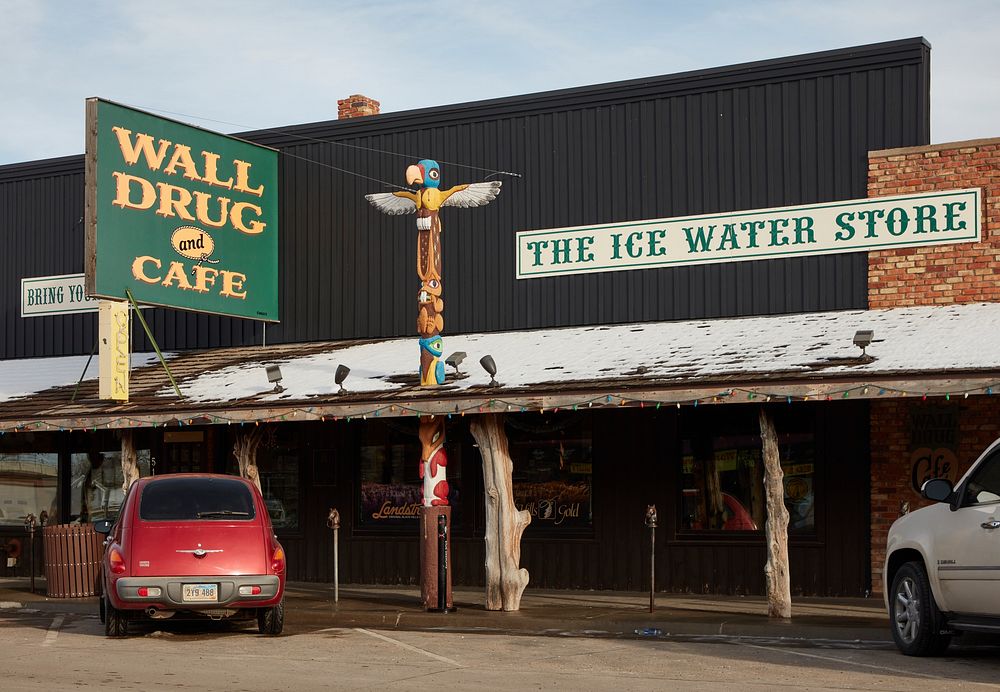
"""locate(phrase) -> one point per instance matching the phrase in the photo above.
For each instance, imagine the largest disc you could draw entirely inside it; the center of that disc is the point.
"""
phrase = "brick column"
(892, 485)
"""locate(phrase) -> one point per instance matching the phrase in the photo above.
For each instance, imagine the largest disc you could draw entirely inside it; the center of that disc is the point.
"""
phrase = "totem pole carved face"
(430, 292)
(434, 345)
(434, 372)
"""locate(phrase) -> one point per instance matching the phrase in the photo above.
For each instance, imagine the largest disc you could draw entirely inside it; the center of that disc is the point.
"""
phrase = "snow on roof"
(930, 340)
(916, 340)
(26, 376)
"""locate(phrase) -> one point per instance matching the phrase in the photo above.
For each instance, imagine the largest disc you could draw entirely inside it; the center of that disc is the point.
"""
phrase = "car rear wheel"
(115, 621)
(271, 621)
(917, 623)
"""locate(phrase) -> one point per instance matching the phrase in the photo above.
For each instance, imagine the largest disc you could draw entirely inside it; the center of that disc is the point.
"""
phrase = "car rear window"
(196, 499)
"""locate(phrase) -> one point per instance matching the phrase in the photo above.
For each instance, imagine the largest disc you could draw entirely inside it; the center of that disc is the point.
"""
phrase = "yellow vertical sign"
(115, 332)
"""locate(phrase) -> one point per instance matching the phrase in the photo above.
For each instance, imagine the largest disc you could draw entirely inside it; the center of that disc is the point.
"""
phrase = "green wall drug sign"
(936, 218)
(181, 216)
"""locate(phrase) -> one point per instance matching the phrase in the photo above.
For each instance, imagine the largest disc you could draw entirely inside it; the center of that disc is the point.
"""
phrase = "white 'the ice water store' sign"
(55, 295)
(879, 223)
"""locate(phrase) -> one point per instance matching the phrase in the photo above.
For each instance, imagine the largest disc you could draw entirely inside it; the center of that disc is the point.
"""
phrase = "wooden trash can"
(72, 560)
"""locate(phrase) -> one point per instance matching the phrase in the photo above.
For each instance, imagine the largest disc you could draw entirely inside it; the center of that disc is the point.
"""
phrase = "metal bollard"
(29, 528)
(442, 551)
(333, 522)
(651, 523)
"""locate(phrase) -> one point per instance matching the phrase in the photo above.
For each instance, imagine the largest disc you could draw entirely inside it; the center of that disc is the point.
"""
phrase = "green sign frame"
(180, 216)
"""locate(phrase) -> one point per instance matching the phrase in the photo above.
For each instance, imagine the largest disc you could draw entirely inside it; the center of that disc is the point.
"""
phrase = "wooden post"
(433, 472)
(779, 596)
(129, 460)
(245, 451)
(505, 579)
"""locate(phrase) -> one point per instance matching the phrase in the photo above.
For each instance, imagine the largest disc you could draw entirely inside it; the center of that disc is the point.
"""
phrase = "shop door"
(183, 453)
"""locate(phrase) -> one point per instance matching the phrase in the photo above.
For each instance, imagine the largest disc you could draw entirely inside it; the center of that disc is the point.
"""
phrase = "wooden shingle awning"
(936, 351)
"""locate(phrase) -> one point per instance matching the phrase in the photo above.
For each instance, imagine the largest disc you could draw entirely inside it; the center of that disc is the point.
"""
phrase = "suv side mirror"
(103, 526)
(937, 489)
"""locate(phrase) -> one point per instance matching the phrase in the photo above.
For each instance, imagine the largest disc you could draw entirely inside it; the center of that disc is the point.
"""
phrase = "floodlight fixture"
(455, 359)
(862, 339)
(490, 366)
(274, 375)
(342, 372)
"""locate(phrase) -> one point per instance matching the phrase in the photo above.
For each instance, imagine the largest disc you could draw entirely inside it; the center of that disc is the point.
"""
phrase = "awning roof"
(934, 351)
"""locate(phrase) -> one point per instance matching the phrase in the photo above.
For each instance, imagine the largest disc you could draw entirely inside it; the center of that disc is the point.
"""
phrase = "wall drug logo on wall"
(935, 218)
(181, 216)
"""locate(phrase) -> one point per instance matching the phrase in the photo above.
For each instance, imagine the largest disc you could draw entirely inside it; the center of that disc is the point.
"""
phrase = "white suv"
(942, 568)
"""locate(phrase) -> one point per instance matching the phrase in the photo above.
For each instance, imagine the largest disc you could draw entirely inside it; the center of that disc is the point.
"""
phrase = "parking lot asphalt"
(311, 606)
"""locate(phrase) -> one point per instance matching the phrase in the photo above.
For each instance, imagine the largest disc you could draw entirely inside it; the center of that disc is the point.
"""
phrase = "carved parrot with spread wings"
(426, 202)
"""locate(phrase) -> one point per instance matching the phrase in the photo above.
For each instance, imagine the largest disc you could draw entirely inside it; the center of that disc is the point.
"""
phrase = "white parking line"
(842, 661)
(53, 632)
(408, 647)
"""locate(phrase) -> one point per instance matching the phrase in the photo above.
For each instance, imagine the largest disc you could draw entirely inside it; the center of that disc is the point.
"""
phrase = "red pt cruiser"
(192, 545)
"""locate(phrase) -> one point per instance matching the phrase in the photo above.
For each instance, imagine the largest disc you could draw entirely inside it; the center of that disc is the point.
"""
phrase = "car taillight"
(116, 561)
(149, 592)
(249, 590)
(278, 560)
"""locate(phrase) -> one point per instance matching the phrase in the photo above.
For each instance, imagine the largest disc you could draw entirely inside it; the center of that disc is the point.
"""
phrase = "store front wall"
(587, 478)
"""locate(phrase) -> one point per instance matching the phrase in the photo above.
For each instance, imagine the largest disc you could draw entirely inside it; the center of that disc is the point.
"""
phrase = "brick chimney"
(355, 106)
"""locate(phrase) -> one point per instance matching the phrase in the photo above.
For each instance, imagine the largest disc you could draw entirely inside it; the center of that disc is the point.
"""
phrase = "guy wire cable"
(491, 171)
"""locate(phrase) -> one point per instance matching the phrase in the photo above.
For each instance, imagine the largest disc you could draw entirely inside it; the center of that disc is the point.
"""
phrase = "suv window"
(984, 485)
(193, 499)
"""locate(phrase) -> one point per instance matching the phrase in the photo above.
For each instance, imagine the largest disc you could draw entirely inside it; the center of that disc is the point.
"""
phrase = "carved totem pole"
(426, 202)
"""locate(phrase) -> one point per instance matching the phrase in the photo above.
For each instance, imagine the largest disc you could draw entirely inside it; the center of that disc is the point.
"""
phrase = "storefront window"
(553, 468)
(279, 457)
(391, 491)
(27, 486)
(279, 484)
(96, 480)
(722, 481)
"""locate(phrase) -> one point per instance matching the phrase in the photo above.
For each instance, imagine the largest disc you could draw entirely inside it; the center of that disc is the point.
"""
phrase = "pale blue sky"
(265, 63)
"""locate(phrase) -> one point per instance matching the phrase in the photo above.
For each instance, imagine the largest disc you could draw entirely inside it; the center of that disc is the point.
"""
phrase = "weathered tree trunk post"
(129, 460)
(505, 579)
(779, 596)
(245, 451)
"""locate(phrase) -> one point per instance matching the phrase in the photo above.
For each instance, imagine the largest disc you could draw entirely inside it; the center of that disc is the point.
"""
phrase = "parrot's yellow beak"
(414, 174)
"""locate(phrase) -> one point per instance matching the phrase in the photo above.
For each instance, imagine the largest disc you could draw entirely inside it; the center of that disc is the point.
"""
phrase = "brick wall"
(962, 273)
(356, 106)
(891, 453)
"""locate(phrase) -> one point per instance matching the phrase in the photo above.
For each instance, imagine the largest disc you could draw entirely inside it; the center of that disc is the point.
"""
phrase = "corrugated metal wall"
(780, 132)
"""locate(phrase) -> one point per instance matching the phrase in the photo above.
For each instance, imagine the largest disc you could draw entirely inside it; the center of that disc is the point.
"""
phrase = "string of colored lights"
(494, 405)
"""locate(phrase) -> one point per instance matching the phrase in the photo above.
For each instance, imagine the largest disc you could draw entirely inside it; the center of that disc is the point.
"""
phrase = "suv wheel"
(115, 621)
(917, 623)
(271, 621)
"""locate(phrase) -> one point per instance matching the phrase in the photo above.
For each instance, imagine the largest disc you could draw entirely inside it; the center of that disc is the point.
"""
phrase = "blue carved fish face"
(433, 345)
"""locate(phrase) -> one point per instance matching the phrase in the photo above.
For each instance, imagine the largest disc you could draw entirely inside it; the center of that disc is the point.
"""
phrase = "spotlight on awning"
(490, 366)
(455, 359)
(274, 375)
(863, 338)
(342, 372)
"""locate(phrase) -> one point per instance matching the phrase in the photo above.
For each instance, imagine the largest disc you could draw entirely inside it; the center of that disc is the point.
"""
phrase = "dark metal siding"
(780, 132)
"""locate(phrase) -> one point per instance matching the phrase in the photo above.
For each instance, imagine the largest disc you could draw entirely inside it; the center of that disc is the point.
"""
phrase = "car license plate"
(200, 592)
